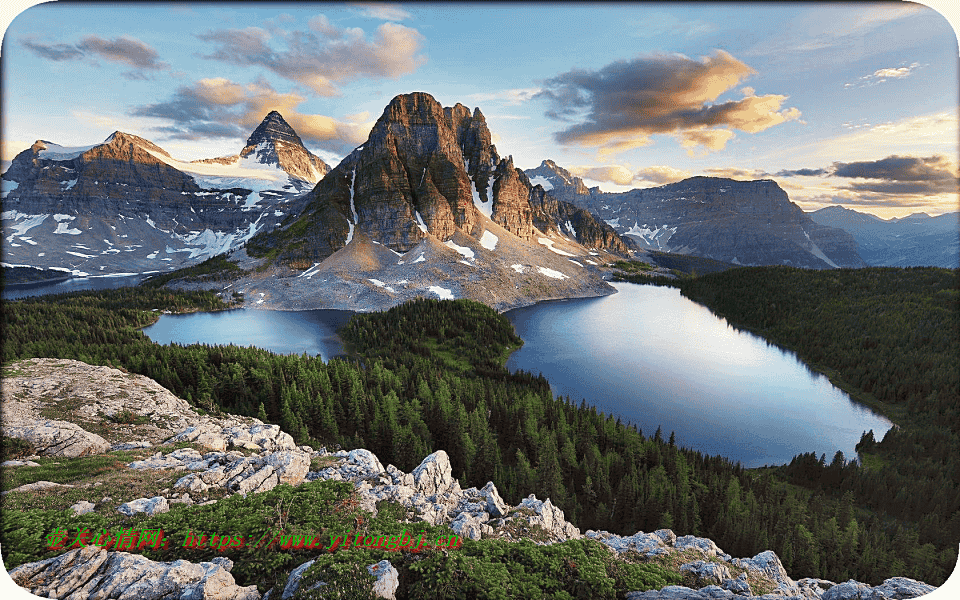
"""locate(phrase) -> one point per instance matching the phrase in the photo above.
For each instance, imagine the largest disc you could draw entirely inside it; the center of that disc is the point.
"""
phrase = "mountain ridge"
(742, 222)
(912, 241)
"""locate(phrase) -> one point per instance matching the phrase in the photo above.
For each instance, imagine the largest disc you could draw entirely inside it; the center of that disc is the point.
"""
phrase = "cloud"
(661, 174)
(901, 175)
(881, 75)
(220, 108)
(125, 49)
(617, 174)
(384, 12)
(55, 52)
(737, 173)
(321, 58)
(802, 173)
(508, 97)
(621, 105)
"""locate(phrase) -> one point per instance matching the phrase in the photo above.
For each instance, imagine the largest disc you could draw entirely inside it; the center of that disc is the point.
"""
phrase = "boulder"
(895, 588)
(495, 504)
(679, 592)
(293, 581)
(467, 526)
(434, 475)
(83, 507)
(149, 506)
(290, 467)
(93, 572)
(36, 487)
(387, 579)
(58, 438)
(705, 572)
(18, 463)
(768, 563)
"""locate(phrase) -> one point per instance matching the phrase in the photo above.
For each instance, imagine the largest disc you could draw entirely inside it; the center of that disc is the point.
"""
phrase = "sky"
(851, 104)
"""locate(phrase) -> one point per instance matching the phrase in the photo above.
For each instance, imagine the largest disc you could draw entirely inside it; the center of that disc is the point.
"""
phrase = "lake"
(74, 284)
(646, 354)
(285, 332)
(655, 358)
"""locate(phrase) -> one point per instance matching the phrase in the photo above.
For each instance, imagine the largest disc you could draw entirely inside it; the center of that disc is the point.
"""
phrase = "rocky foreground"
(65, 408)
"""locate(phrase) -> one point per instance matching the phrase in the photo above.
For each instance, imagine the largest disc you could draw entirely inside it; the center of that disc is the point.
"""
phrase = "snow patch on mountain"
(489, 241)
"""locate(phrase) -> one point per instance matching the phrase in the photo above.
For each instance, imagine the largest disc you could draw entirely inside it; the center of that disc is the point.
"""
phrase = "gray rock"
(768, 564)
(495, 504)
(647, 544)
(706, 572)
(290, 467)
(149, 506)
(19, 463)
(897, 588)
(92, 572)
(387, 579)
(738, 586)
(37, 486)
(679, 592)
(550, 518)
(704, 545)
(192, 483)
(667, 536)
(83, 507)
(467, 525)
(293, 581)
(130, 446)
(58, 438)
(434, 475)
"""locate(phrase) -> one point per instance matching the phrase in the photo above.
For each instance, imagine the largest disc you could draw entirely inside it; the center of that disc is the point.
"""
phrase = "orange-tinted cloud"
(621, 105)
(220, 108)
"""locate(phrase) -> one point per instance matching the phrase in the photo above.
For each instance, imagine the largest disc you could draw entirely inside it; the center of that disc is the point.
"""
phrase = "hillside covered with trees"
(429, 374)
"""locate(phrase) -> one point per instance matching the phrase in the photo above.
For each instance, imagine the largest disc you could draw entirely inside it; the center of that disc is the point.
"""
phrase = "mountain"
(275, 143)
(743, 222)
(428, 186)
(915, 240)
(125, 205)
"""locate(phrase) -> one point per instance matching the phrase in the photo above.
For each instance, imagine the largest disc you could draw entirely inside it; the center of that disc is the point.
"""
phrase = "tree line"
(429, 375)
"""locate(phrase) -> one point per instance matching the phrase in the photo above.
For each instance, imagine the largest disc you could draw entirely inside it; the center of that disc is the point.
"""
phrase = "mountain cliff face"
(550, 213)
(429, 184)
(743, 222)
(119, 205)
(913, 241)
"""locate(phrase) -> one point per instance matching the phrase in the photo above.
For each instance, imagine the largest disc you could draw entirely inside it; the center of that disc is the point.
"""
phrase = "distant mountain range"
(740, 222)
(912, 241)
(426, 206)
(125, 205)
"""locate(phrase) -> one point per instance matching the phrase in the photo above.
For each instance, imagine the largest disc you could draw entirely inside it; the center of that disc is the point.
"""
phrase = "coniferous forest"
(429, 375)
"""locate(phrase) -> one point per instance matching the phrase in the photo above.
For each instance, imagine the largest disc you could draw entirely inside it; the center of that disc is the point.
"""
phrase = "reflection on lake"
(655, 358)
(283, 332)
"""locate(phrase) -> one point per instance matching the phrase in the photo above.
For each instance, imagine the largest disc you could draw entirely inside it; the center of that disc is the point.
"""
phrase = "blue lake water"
(655, 358)
(74, 284)
(313, 332)
(646, 354)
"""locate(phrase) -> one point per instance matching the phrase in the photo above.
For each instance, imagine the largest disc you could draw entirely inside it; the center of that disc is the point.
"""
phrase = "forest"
(429, 375)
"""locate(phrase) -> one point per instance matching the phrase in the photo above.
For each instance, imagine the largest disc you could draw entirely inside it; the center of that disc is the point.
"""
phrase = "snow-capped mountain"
(427, 206)
(126, 206)
(742, 222)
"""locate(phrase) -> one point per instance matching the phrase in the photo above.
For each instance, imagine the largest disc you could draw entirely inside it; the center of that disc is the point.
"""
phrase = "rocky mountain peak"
(274, 128)
(275, 142)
